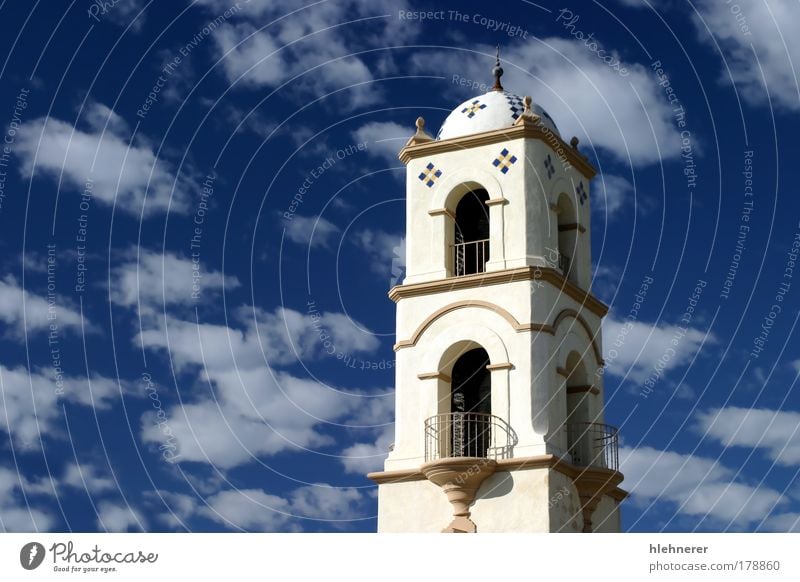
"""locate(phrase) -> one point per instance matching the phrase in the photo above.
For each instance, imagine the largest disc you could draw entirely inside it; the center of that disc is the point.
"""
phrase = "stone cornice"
(613, 478)
(572, 155)
(546, 274)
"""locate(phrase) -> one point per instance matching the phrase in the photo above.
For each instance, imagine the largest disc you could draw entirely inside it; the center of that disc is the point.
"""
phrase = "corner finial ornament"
(421, 136)
(497, 71)
(528, 117)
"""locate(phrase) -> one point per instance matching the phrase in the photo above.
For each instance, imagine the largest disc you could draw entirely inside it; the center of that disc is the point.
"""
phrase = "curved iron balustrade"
(468, 434)
(592, 444)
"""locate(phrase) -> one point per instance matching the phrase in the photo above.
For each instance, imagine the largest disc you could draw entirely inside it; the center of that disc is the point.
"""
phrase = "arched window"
(471, 248)
(578, 418)
(567, 237)
(471, 405)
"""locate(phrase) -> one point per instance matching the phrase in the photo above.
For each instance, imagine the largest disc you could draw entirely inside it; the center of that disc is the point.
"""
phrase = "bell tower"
(499, 374)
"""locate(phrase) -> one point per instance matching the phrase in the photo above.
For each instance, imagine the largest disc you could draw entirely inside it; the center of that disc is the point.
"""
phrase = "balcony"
(593, 445)
(470, 258)
(468, 434)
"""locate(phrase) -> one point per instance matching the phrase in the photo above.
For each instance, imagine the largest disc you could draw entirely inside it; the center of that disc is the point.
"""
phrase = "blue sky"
(202, 211)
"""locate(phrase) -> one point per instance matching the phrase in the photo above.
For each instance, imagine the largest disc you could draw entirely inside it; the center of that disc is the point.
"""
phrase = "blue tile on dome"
(504, 161)
(515, 104)
(473, 108)
(430, 175)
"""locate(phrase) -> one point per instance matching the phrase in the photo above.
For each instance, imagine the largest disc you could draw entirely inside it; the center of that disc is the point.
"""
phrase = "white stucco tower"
(499, 383)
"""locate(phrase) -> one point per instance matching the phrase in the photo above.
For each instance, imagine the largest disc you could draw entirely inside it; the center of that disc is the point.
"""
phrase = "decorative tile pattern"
(515, 104)
(548, 166)
(473, 108)
(581, 191)
(430, 175)
(504, 161)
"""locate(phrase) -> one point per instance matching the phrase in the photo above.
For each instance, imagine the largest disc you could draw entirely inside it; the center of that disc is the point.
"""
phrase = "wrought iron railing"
(470, 257)
(468, 434)
(593, 444)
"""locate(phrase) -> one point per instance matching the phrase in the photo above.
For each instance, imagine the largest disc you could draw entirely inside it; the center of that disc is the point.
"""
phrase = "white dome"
(492, 110)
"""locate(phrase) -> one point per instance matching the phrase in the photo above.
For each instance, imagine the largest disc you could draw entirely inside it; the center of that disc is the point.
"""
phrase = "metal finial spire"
(497, 71)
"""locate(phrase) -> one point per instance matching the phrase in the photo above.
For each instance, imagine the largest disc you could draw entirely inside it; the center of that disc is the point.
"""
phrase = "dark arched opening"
(567, 237)
(471, 405)
(578, 393)
(472, 233)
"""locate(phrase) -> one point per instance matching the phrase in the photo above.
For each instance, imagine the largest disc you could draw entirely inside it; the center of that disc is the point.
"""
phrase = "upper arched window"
(471, 247)
(567, 237)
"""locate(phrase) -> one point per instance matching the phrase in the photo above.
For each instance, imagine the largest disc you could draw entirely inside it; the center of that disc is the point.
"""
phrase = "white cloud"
(312, 38)
(256, 410)
(30, 401)
(316, 232)
(157, 280)
(15, 516)
(280, 337)
(696, 486)
(362, 458)
(87, 477)
(101, 118)
(638, 349)
(256, 510)
(786, 523)
(384, 140)
(24, 312)
(777, 431)
(121, 13)
(766, 28)
(386, 252)
(616, 192)
(582, 94)
(105, 164)
(757, 41)
(119, 518)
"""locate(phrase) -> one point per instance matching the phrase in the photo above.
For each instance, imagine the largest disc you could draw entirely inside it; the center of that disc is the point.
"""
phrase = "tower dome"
(496, 109)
